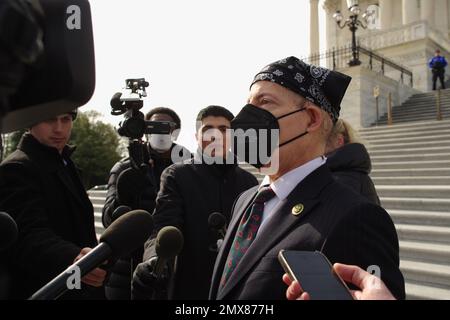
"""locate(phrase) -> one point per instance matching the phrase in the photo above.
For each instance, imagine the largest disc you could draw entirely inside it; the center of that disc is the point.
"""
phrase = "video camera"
(129, 103)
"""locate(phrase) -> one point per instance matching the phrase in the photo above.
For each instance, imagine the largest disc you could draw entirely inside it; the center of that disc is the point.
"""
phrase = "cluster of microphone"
(128, 232)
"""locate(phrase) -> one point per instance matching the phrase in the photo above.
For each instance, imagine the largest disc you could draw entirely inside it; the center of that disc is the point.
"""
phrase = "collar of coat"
(47, 156)
(350, 157)
(216, 168)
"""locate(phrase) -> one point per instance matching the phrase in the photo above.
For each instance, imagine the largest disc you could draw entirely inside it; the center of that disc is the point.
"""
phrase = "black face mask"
(257, 119)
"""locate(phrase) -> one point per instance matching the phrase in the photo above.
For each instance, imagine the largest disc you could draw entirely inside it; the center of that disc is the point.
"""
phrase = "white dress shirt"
(284, 185)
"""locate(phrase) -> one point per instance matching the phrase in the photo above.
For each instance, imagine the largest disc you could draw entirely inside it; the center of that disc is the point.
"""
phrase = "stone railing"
(411, 32)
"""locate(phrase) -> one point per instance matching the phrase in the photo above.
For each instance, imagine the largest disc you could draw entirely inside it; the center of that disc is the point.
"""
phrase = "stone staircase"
(97, 198)
(420, 106)
(411, 171)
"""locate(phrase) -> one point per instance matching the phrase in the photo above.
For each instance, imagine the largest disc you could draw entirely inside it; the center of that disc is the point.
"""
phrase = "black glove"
(145, 284)
(131, 183)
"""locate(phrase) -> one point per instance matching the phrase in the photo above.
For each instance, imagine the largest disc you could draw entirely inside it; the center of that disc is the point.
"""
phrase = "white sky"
(194, 53)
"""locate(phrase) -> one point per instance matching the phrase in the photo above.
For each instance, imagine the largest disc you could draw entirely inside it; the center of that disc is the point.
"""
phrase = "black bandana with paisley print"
(324, 87)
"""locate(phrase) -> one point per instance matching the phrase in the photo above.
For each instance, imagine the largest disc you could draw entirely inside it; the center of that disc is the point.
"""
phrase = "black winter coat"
(189, 194)
(118, 285)
(351, 166)
(42, 191)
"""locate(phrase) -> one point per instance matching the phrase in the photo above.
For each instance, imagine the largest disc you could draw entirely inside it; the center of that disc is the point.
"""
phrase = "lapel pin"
(298, 209)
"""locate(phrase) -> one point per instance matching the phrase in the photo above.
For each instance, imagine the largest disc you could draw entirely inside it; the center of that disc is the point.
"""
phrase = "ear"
(176, 134)
(316, 117)
(340, 140)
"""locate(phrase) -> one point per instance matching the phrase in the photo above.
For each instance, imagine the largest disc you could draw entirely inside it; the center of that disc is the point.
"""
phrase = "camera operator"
(41, 189)
(141, 190)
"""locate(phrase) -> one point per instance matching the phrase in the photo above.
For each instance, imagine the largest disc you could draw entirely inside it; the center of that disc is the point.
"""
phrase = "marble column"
(410, 11)
(314, 39)
(385, 14)
(427, 11)
(441, 16)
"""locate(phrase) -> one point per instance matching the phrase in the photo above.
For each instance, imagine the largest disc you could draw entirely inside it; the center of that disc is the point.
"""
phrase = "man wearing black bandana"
(298, 206)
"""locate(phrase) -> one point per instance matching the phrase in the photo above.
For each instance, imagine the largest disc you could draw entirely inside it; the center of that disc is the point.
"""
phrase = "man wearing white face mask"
(158, 151)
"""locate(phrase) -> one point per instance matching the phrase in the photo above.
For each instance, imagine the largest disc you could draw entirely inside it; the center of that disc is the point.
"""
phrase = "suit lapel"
(282, 222)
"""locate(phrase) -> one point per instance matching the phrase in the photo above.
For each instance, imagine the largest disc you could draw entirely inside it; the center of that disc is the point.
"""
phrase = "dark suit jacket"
(189, 193)
(340, 223)
(52, 210)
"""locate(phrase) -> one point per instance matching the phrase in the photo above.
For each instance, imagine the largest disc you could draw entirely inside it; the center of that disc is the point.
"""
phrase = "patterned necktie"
(246, 232)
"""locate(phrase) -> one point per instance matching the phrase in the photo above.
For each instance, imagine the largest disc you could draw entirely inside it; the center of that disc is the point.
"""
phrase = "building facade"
(408, 32)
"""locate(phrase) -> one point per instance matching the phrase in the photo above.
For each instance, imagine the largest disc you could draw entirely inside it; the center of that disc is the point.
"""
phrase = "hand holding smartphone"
(315, 274)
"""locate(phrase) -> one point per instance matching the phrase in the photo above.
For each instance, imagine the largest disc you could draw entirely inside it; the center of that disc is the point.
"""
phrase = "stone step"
(422, 181)
(417, 291)
(396, 145)
(99, 228)
(410, 134)
(436, 127)
(423, 251)
(97, 193)
(423, 139)
(414, 217)
(444, 92)
(97, 200)
(418, 110)
(424, 104)
(432, 234)
(411, 172)
(445, 99)
(97, 207)
(426, 273)
(409, 151)
(415, 157)
(412, 164)
(403, 126)
(98, 216)
(414, 191)
(407, 119)
(417, 204)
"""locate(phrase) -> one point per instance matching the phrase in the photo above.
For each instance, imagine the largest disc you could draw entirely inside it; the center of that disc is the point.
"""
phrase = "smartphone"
(315, 274)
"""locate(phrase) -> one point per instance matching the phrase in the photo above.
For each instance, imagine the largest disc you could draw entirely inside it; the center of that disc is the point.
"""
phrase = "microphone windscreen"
(120, 211)
(115, 101)
(128, 232)
(169, 242)
(8, 230)
(217, 220)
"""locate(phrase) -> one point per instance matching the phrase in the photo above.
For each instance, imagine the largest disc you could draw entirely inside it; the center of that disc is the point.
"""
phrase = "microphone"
(217, 222)
(8, 231)
(123, 236)
(169, 243)
(120, 211)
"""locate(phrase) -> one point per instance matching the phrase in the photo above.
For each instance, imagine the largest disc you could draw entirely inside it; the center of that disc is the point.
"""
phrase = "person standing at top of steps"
(349, 160)
(437, 65)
